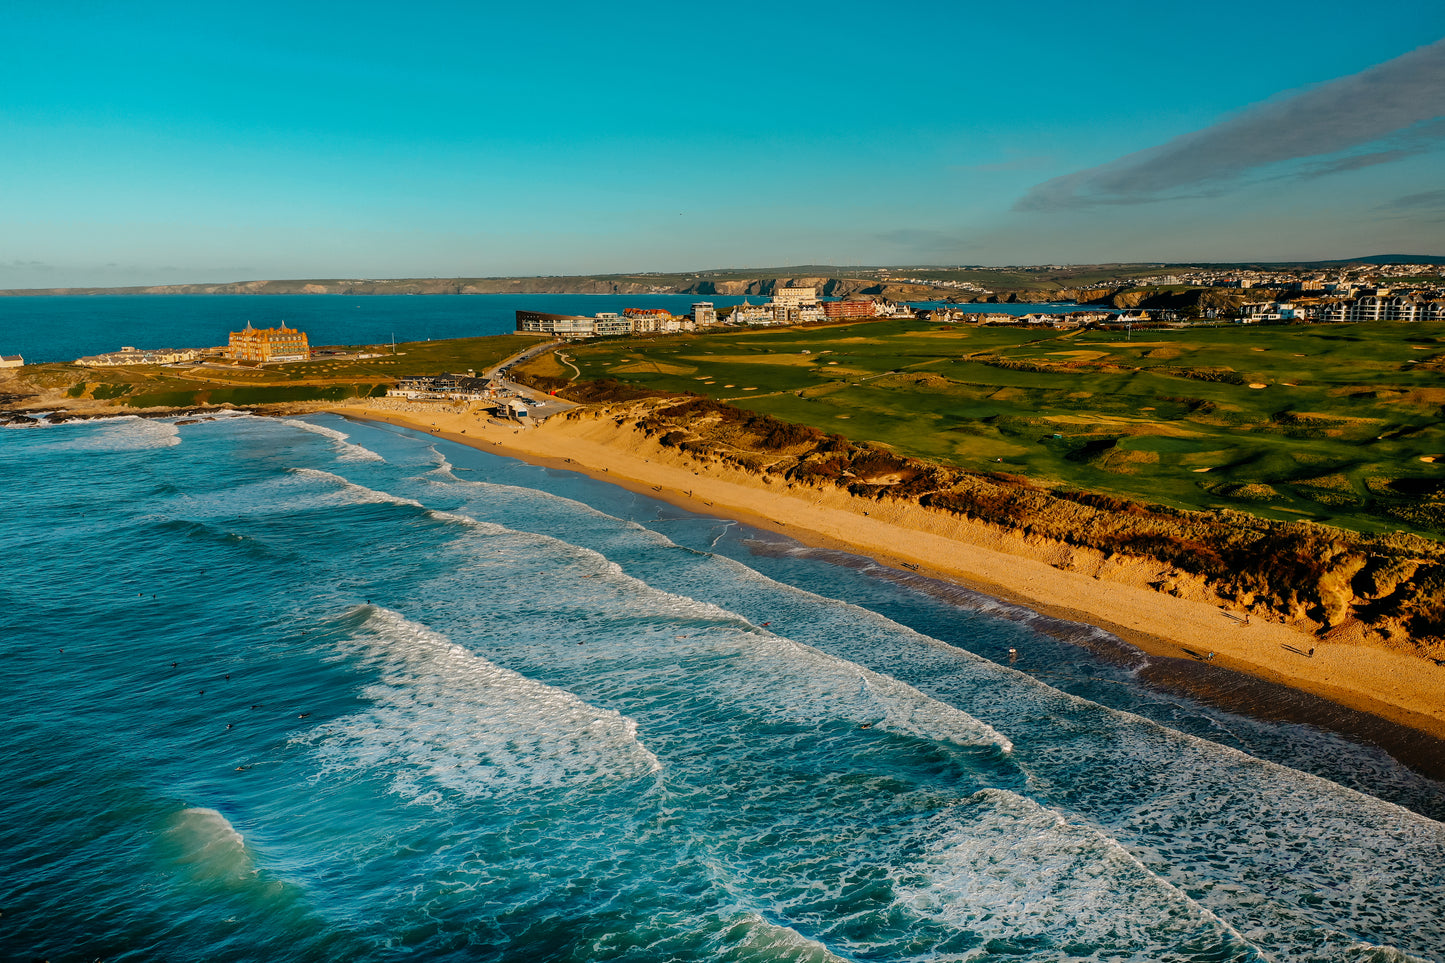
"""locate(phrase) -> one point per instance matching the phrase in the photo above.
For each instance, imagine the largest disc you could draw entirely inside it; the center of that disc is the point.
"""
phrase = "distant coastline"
(1084, 283)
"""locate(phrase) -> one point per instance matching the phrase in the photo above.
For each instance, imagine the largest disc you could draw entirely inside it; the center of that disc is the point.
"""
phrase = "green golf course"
(1340, 424)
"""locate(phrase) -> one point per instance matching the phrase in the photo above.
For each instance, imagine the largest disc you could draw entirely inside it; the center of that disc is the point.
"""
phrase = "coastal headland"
(1116, 592)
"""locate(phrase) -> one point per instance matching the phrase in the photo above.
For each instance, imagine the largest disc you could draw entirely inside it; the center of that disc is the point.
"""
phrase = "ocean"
(63, 328)
(306, 689)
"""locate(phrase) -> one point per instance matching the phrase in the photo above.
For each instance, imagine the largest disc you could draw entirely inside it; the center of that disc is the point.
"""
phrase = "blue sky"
(160, 143)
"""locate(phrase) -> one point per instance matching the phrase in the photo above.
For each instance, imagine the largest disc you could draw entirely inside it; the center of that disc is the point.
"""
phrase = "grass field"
(1337, 423)
(322, 379)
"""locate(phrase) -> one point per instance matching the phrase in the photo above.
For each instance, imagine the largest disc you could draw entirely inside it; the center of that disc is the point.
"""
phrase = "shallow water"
(306, 689)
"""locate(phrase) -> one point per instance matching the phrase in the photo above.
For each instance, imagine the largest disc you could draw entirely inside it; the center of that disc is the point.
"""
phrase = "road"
(550, 405)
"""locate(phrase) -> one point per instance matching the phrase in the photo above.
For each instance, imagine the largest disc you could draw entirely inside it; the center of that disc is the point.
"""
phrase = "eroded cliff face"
(1384, 589)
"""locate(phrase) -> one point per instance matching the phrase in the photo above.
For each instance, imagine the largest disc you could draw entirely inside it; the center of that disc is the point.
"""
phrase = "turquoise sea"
(310, 690)
(67, 327)
(304, 689)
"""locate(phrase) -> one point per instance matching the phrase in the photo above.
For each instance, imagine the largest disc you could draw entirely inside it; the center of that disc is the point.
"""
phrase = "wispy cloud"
(1391, 105)
(1425, 200)
(18, 265)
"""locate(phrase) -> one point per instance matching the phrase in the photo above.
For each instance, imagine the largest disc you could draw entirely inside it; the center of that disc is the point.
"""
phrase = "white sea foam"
(347, 450)
(440, 716)
(121, 433)
(1003, 867)
(355, 494)
(782, 677)
(443, 469)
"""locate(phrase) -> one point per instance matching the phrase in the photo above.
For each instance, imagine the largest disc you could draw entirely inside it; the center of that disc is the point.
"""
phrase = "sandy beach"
(1046, 578)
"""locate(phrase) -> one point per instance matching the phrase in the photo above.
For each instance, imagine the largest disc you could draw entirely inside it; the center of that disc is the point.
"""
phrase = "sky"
(158, 143)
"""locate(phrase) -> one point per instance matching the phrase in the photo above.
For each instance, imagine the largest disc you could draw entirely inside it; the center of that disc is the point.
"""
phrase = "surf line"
(726, 525)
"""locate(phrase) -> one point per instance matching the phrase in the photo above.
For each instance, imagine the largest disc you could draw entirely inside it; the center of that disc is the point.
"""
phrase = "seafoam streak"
(441, 717)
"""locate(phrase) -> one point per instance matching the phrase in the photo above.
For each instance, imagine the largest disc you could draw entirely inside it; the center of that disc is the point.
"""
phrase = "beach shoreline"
(1114, 596)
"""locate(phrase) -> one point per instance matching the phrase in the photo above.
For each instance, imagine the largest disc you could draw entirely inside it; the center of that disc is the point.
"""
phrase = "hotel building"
(269, 344)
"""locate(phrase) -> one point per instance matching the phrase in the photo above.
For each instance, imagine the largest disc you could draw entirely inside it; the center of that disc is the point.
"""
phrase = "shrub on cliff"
(603, 390)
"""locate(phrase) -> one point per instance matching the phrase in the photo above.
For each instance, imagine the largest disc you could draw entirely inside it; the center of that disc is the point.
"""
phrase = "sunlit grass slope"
(1337, 423)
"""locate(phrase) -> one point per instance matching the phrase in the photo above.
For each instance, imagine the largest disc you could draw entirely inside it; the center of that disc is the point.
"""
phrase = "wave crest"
(441, 716)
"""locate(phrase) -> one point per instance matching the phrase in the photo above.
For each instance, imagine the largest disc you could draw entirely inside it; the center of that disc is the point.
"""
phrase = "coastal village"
(1353, 293)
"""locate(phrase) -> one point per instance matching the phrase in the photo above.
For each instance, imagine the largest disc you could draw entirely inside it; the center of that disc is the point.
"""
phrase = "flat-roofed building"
(562, 325)
(612, 327)
(607, 324)
(791, 305)
(269, 344)
(795, 297)
(704, 314)
(849, 309)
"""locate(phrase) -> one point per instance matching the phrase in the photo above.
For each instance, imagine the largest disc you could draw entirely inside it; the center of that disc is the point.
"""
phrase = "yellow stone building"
(269, 344)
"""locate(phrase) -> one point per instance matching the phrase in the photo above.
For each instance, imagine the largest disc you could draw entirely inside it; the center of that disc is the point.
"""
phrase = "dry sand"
(1044, 577)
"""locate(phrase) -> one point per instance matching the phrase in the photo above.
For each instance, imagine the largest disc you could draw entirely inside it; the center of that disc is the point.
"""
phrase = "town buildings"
(269, 344)
(749, 313)
(1381, 307)
(609, 324)
(129, 355)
